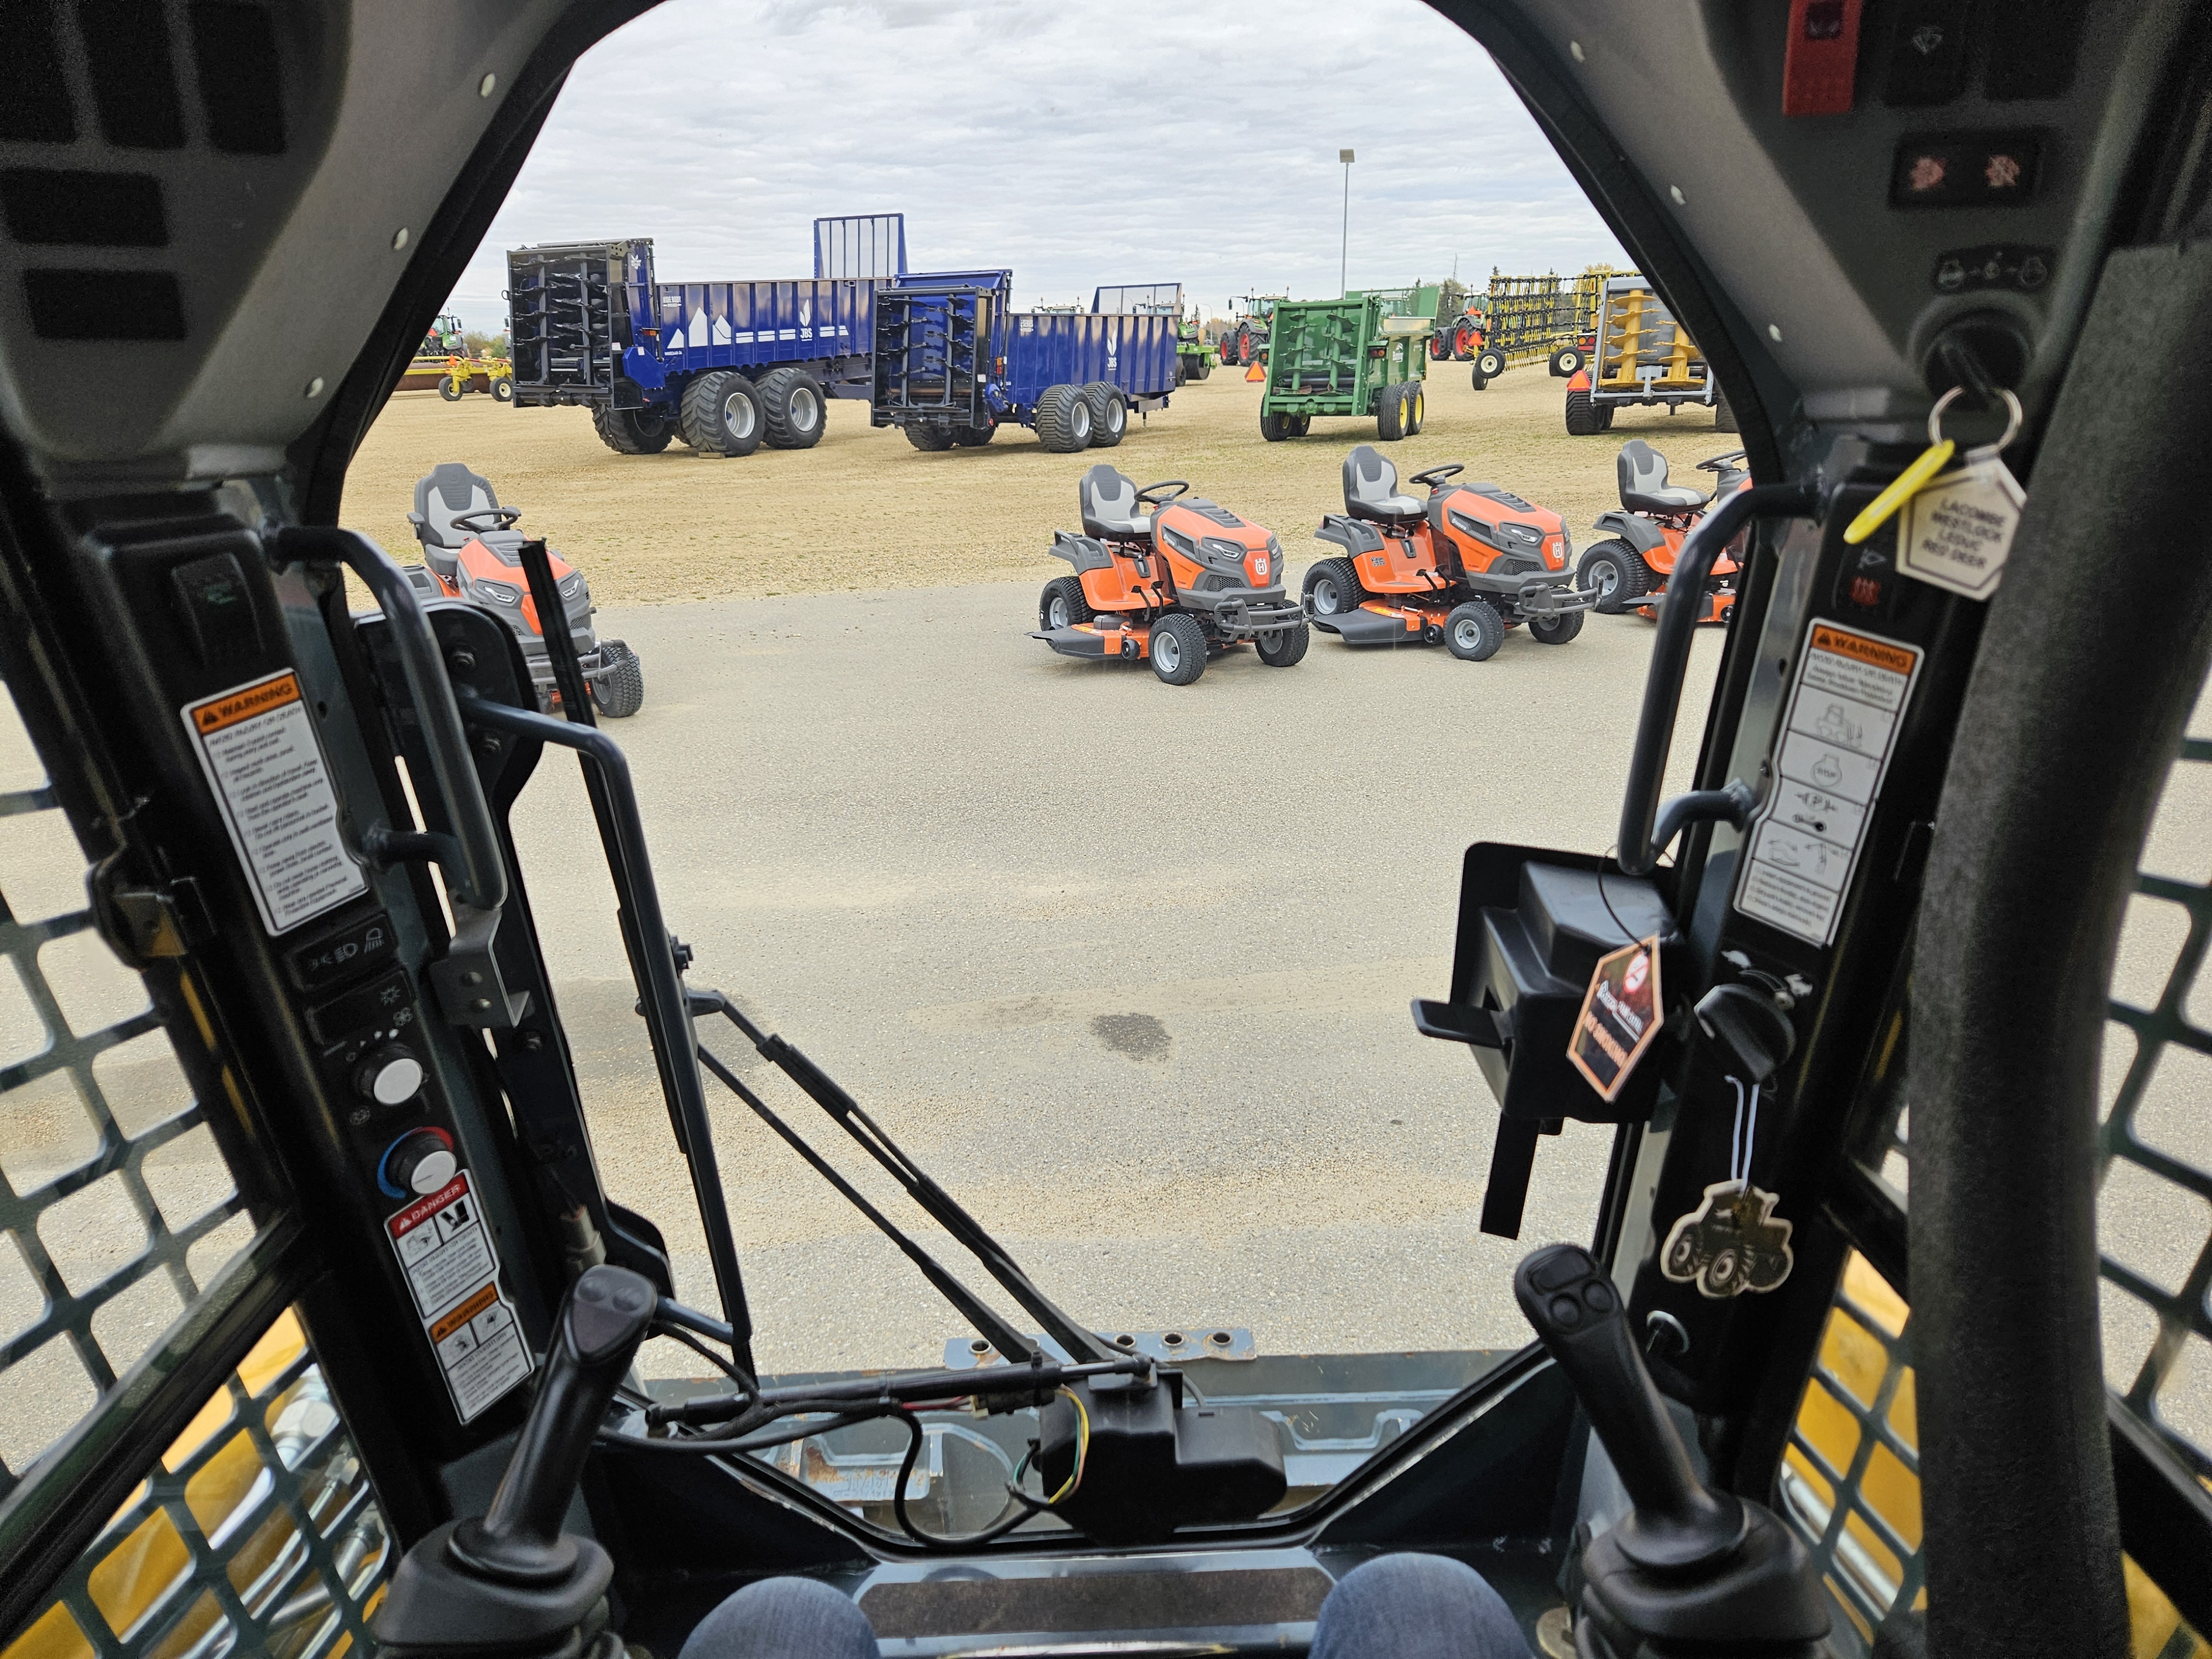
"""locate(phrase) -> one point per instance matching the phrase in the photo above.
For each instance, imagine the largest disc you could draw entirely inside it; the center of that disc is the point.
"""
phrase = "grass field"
(865, 509)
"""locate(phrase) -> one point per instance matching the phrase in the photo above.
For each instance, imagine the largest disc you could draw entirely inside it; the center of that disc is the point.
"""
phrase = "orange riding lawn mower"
(1165, 577)
(471, 550)
(1630, 569)
(1458, 568)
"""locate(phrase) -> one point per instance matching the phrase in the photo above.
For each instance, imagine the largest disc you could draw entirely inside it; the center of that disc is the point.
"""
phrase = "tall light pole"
(1344, 247)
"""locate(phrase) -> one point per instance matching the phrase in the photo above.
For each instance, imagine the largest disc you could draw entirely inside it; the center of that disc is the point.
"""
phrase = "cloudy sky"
(1180, 140)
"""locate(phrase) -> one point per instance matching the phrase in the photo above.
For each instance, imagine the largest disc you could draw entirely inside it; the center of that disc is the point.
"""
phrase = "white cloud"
(1156, 140)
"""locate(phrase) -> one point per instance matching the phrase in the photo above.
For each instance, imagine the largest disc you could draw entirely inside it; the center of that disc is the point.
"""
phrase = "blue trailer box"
(592, 325)
(954, 361)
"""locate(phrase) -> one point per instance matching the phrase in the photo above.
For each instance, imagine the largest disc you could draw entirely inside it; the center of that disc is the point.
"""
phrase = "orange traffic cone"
(1258, 371)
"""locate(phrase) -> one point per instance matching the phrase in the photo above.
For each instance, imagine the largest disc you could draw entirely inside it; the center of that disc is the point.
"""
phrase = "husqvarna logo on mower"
(1260, 567)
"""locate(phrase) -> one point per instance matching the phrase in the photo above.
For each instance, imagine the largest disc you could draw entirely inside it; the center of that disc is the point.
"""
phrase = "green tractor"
(1251, 319)
(1351, 356)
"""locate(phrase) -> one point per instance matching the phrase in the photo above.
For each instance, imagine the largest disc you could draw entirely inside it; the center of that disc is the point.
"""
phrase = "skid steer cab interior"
(1804, 1253)
(471, 550)
(1630, 568)
(1461, 568)
(1168, 578)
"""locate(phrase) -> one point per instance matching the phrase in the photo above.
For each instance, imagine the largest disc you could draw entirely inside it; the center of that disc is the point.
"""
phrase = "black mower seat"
(1643, 486)
(1370, 487)
(1109, 505)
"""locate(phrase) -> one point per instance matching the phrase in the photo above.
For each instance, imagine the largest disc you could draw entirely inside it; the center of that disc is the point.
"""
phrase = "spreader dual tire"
(1616, 572)
(1109, 413)
(1332, 588)
(1555, 630)
(1177, 645)
(1391, 413)
(721, 415)
(1282, 647)
(795, 409)
(1417, 408)
(1473, 631)
(1062, 605)
(622, 693)
(632, 431)
(931, 436)
(1064, 422)
(974, 437)
(1584, 418)
(1275, 427)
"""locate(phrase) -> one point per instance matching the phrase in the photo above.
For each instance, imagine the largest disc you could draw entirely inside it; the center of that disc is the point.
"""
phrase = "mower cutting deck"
(1185, 582)
(1456, 570)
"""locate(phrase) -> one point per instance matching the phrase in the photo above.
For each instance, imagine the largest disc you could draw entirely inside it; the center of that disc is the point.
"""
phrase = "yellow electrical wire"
(1082, 1444)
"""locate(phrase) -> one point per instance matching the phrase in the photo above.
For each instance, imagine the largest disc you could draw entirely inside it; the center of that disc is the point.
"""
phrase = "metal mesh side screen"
(116, 1206)
(254, 1533)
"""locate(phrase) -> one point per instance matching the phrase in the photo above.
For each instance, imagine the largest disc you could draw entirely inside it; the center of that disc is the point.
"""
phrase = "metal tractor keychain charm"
(1731, 1242)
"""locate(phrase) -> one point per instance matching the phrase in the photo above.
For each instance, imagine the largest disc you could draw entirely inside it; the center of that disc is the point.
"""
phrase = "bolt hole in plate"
(1180, 1345)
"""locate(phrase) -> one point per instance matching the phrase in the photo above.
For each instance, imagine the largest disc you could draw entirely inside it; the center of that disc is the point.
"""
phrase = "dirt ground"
(865, 509)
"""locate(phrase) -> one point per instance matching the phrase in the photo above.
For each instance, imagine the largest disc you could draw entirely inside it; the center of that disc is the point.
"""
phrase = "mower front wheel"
(1109, 413)
(1332, 588)
(1177, 646)
(1284, 646)
(1616, 572)
(1473, 631)
(1555, 630)
(1062, 605)
(621, 693)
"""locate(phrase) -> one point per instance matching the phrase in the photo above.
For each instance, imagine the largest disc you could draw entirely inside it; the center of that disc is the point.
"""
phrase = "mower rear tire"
(1616, 572)
(1282, 647)
(1332, 588)
(1177, 645)
(721, 415)
(1062, 605)
(1064, 425)
(1391, 413)
(1417, 408)
(1556, 631)
(1584, 418)
(503, 392)
(930, 436)
(1109, 413)
(621, 693)
(795, 409)
(974, 437)
(1473, 631)
(1489, 362)
(632, 431)
(1274, 428)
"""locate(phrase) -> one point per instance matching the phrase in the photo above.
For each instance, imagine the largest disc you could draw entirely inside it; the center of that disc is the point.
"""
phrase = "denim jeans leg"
(784, 1619)
(1415, 1606)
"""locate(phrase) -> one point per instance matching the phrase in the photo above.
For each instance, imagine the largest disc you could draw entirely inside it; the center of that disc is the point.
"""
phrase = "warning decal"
(1836, 740)
(256, 744)
(453, 1274)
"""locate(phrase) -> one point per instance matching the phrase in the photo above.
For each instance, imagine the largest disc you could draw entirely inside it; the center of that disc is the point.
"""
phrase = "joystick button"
(1565, 1311)
(1597, 1297)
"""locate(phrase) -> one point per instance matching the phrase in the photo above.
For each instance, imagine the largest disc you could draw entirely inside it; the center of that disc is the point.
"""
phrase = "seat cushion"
(1370, 487)
(1108, 501)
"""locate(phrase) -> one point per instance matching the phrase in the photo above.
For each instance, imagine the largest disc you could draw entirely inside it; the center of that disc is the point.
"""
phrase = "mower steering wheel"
(1714, 463)
(502, 518)
(1150, 496)
(1437, 474)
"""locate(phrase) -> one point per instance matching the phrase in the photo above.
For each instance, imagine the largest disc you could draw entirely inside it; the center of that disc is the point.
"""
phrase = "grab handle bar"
(1678, 613)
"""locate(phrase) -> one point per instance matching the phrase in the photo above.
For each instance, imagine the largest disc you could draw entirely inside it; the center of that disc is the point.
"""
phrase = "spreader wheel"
(1332, 588)
(930, 436)
(1109, 413)
(1064, 424)
(1178, 648)
(1284, 646)
(1584, 419)
(1391, 413)
(1062, 605)
(1473, 631)
(1417, 409)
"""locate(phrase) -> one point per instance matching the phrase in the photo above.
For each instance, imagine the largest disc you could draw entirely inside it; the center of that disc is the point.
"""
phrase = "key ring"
(2012, 419)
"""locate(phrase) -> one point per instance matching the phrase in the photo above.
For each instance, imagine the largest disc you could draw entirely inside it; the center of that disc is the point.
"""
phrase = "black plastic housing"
(1155, 1463)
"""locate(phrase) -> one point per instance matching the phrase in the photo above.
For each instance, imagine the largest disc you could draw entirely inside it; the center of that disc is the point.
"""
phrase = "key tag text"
(1957, 530)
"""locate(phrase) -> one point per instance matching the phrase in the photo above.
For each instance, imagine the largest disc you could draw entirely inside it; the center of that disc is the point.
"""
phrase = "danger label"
(453, 1272)
(258, 746)
(1844, 709)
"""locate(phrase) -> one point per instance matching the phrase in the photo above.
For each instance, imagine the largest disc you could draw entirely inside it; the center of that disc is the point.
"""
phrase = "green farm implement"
(1351, 356)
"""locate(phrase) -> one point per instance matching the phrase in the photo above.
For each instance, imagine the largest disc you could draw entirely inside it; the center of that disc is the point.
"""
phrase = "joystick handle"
(519, 1540)
(1578, 1317)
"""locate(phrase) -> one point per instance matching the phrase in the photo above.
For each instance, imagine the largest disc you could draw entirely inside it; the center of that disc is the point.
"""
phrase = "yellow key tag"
(1902, 488)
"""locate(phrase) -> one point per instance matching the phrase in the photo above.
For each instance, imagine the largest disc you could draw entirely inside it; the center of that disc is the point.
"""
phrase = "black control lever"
(1688, 1565)
(512, 1582)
